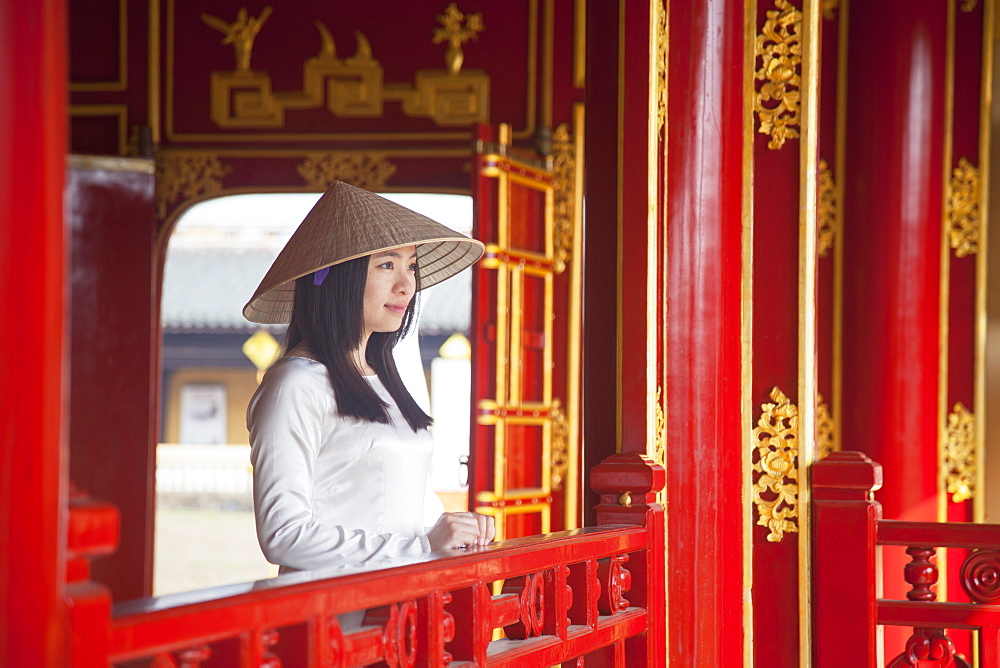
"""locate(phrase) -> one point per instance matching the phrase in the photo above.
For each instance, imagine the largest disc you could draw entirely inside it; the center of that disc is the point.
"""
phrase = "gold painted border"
(121, 83)
(117, 111)
(653, 211)
(104, 163)
(527, 132)
(746, 322)
(982, 260)
(812, 12)
(579, 43)
(548, 38)
(153, 85)
(572, 487)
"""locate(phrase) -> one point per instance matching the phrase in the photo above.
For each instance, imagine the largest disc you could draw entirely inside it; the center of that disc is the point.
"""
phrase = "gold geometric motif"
(563, 193)
(963, 209)
(775, 490)
(661, 67)
(826, 215)
(780, 49)
(186, 176)
(826, 441)
(453, 32)
(370, 171)
(351, 87)
(829, 7)
(241, 33)
(560, 444)
(960, 454)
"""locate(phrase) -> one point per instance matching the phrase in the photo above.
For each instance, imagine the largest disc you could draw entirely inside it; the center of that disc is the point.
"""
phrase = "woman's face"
(392, 280)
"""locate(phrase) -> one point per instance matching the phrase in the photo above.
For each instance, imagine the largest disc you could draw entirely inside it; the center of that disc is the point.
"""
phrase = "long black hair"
(329, 319)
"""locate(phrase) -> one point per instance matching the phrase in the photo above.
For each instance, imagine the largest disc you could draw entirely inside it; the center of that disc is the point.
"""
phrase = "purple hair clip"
(320, 275)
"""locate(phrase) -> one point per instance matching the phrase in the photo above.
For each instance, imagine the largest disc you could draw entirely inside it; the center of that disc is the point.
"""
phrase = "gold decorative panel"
(963, 209)
(779, 49)
(348, 87)
(182, 176)
(564, 196)
(826, 437)
(960, 454)
(775, 463)
(826, 216)
(370, 171)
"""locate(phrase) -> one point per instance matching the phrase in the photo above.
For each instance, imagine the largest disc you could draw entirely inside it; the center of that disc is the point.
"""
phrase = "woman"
(340, 449)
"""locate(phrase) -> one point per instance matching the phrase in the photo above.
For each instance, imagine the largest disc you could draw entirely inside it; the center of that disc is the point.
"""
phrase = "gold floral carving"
(241, 33)
(963, 209)
(182, 176)
(659, 454)
(560, 445)
(370, 171)
(829, 7)
(456, 34)
(661, 67)
(350, 87)
(779, 48)
(826, 215)
(563, 187)
(960, 454)
(775, 463)
(826, 438)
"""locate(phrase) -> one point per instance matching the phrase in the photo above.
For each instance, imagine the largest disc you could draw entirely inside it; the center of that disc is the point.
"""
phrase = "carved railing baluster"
(980, 576)
(615, 581)
(530, 593)
(193, 656)
(921, 574)
(269, 639)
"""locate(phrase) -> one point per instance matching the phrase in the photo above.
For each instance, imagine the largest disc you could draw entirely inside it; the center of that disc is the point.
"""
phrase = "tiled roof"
(206, 288)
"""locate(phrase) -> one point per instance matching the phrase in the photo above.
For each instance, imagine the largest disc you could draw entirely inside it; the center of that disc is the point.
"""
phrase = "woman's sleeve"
(285, 419)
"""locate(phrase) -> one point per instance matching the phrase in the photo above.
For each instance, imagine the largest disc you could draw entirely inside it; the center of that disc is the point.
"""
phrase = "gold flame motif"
(775, 490)
(779, 49)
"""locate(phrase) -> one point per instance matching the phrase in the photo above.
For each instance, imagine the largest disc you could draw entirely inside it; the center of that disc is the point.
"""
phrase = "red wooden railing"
(848, 608)
(592, 596)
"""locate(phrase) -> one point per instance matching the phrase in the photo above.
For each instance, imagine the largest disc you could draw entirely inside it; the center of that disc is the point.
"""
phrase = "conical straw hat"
(347, 223)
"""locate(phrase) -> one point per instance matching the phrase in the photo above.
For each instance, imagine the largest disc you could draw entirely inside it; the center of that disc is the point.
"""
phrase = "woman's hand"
(461, 530)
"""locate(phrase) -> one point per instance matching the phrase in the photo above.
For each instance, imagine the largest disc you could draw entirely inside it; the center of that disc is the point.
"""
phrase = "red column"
(32, 475)
(705, 477)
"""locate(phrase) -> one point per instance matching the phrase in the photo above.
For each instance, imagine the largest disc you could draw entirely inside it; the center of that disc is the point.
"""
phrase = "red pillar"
(705, 477)
(32, 459)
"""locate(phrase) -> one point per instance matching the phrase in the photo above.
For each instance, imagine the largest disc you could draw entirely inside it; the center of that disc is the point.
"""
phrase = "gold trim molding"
(779, 48)
(827, 206)
(775, 489)
(564, 196)
(183, 175)
(370, 171)
(826, 432)
(963, 209)
(960, 454)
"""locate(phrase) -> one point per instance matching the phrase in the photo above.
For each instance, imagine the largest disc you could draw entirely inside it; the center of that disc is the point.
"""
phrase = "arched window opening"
(212, 359)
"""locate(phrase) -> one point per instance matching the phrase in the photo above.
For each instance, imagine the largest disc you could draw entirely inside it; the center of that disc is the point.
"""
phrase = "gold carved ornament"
(661, 68)
(182, 176)
(960, 454)
(560, 445)
(659, 453)
(826, 439)
(829, 7)
(351, 87)
(779, 48)
(826, 215)
(456, 29)
(563, 194)
(241, 33)
(969, 5)
(370, 171)
(963, 209)
(775, 463)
